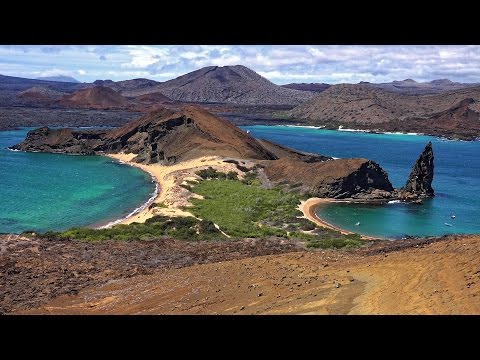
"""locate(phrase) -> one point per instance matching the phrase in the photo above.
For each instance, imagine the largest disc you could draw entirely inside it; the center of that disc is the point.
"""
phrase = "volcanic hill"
(98, 97)
(230, 84)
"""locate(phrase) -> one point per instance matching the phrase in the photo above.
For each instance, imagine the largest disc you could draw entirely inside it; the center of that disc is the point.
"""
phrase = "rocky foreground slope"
(167, 136)
(417, 276)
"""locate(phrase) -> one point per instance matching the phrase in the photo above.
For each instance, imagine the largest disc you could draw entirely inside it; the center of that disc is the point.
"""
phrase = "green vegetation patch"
(244, 209)
(240, 208)
(183, 228)
(158, 205)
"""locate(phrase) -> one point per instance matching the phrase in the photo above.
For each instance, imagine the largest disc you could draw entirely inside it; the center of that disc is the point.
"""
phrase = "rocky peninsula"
(171, 136)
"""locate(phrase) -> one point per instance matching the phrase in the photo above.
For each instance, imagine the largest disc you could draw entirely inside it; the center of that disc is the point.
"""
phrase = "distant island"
(439, 107)
(59, 78)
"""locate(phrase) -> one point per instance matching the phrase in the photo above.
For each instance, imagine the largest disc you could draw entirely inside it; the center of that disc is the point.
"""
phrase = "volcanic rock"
(419, 183)
(163, 136)
(341, 178)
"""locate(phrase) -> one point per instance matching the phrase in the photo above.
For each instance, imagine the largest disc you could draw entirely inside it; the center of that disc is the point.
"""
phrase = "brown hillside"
(153, 98)
(168, 136)
(98, 97)
(362, 106)
(461, 119)
(346, 103)
(40, 93)
(230, 84)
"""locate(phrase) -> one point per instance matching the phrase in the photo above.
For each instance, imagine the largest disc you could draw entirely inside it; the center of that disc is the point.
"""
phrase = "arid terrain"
(439, 107)
(436, 276)
(452, 113)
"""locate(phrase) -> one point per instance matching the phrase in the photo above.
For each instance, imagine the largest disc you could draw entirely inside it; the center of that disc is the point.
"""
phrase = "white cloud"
(143, 56)
(278, 63)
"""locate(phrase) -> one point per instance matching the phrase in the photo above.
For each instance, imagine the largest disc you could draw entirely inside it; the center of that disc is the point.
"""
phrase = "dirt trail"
(438, 278)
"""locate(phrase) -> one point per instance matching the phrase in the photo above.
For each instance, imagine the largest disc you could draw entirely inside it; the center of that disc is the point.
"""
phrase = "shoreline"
(440, 137)
(308, 209)
(169, 193)
(168, 180)
(144, 206)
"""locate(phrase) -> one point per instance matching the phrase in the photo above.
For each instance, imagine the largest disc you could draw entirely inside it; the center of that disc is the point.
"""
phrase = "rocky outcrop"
(419, 183)
(339, 179)
(64, 141)
(164, 136)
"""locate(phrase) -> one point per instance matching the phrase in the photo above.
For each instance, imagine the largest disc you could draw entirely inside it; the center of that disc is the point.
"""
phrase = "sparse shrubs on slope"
(251, 178)
(243, 210)
(183, 228)
(211, 173)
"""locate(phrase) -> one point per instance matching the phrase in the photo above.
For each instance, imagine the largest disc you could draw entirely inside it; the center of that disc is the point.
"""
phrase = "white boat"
(248, 131)
(447, 224)
(358, 223)
(453, 216)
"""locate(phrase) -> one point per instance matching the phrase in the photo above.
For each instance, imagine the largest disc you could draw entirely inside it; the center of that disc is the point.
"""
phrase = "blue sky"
(279, 63)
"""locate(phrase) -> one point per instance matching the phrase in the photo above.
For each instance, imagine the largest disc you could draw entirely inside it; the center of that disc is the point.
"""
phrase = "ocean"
(456, 180)
(43, 192)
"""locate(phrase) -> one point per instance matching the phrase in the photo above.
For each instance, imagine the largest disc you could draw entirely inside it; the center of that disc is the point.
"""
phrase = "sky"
(280, 64)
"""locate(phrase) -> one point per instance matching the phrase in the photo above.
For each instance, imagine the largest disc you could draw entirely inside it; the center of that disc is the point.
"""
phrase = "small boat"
(447, 224)
(453, 216)
(248, 131)
(358, 223)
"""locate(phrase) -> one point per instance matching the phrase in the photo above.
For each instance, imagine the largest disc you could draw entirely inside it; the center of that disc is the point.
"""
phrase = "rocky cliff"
(339, 179)
(419, 183)
(62, 141)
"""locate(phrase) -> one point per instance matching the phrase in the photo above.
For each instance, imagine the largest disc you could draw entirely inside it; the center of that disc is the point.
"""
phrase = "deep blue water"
(55, 192)
(456, 180)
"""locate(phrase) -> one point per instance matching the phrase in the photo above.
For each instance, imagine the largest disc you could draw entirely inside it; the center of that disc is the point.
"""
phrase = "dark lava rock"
(65, 141)
(419, 183)
(340, 179)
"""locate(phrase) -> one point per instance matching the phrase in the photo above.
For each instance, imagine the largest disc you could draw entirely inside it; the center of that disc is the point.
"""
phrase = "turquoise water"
(456, 180)
(55, 192)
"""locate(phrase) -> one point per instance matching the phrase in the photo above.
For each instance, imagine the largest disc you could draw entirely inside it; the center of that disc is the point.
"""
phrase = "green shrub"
(183, 228)
(157, 205)
(232, 175)
(210, 173)
(250, 178)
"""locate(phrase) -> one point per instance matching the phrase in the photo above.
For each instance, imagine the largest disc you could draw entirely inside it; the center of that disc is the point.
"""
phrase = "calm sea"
(55, 192)
(456, 180)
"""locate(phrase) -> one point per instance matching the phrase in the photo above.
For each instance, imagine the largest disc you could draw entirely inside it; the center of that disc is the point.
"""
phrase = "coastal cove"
(43, 192)
(457, 167)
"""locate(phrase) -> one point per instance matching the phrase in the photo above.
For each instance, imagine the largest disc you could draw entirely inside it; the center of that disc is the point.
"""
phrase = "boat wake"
(394, 202)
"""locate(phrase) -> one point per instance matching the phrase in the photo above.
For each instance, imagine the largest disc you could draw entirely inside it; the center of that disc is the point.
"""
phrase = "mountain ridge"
(360, 106)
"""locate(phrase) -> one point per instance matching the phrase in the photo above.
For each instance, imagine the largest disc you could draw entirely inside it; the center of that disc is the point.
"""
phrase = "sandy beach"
(169, 177)
(174, 197)
(308, 209)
